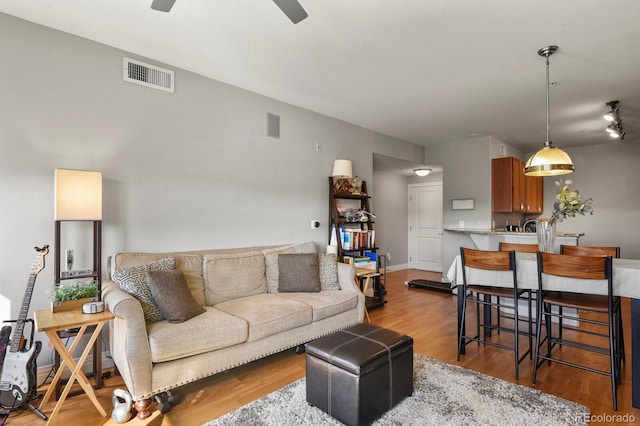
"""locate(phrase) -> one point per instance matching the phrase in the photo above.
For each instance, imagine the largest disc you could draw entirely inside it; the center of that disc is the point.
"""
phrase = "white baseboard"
(87, 367)
(392, 268)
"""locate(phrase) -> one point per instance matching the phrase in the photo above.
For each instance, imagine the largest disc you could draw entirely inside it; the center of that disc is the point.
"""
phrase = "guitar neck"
(17, 343)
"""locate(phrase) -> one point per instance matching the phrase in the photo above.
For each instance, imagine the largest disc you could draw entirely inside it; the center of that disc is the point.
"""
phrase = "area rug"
(443, 394)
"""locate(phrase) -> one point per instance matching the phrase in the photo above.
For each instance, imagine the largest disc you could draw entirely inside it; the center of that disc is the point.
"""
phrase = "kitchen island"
(489, 239)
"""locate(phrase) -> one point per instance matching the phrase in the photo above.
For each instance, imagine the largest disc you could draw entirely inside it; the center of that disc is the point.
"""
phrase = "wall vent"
(148, 75)
(273, 125)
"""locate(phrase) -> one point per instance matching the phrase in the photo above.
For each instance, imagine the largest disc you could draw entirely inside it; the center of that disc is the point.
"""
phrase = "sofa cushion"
(230, 276)
(309, 247)
(133, 280)
(325, 304)
(268, 314)
(271, 265)
(171, 294)
(189, 264)
(328, 267)
(298, 272)
(211, 330)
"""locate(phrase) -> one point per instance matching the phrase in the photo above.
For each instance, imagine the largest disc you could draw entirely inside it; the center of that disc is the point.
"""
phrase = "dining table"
(626, 283)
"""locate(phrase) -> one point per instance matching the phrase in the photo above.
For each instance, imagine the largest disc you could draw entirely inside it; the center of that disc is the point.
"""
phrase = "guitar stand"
(38, 412)
(4, 412)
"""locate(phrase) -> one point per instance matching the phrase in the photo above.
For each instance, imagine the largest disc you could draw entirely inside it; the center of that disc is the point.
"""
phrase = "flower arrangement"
(569, 202)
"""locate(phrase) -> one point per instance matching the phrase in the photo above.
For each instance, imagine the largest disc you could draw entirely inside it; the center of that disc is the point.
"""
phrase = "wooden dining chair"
(590, 251)
(612, 251)
(584, 270)
(488, 292)
(518, 247)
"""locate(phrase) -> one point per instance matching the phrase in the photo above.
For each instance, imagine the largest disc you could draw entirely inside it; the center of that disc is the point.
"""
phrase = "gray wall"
(189, 170)
(466, 174)
(608, 173)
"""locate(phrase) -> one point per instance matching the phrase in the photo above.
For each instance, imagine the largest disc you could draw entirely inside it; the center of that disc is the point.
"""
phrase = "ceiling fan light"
(549, 161)
(422, 172)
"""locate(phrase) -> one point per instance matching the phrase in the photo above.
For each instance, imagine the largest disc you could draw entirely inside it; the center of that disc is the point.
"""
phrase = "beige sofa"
(244, 318)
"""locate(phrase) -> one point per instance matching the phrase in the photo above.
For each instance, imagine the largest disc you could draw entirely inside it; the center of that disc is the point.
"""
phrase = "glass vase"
(546, 231)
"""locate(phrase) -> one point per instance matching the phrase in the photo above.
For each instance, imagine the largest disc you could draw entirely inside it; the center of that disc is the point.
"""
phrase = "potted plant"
(70, 296)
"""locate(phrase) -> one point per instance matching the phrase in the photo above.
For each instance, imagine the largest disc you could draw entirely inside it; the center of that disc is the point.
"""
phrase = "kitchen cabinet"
(507, 185)
(511, 190)
(534, 194)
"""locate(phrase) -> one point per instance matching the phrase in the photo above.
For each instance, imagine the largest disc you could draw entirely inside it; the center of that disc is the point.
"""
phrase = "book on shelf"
(354, 238)
(371, 254)
(367, 265)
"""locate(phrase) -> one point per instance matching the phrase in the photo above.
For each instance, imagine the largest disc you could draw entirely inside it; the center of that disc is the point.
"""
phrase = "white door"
(425, 226)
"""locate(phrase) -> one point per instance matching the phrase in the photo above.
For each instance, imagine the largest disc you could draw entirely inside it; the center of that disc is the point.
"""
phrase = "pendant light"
(549, 161)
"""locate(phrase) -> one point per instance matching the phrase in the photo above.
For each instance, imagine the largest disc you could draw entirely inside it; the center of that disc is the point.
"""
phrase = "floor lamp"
(78, 197)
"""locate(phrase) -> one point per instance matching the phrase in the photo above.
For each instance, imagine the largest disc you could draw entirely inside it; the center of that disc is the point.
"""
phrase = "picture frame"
(463, 204)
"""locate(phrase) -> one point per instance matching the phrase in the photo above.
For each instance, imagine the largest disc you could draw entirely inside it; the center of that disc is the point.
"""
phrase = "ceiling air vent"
(148, 75)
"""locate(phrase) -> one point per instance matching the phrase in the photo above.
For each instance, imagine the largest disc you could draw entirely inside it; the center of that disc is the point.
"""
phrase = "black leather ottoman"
(355, 375)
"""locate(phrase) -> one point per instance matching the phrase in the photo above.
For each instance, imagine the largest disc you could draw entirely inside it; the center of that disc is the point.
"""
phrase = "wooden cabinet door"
(534, 194)
(507, 185)
(519, 188)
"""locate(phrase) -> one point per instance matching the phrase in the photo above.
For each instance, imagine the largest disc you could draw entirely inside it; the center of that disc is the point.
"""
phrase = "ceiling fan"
(291, 8)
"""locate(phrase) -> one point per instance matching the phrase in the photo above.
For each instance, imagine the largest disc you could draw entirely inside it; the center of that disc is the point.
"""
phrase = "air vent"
(148, 75)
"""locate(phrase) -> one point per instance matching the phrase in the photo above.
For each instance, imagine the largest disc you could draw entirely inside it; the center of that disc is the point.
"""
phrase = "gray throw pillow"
(133, 280)
(171, 293)
(298, 273)
(328, 272)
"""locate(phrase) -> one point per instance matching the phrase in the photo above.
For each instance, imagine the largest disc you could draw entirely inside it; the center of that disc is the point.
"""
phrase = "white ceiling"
(426, 71)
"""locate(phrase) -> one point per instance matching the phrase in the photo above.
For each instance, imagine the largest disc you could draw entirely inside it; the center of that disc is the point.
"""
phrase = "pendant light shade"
(549, 161)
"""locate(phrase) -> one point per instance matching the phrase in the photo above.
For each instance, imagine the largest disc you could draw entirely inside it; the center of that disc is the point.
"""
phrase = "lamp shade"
(342, 168)
(549, 161)
(78, 195)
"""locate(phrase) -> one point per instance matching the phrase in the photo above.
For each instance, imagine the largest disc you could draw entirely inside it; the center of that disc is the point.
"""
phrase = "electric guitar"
(18, 378)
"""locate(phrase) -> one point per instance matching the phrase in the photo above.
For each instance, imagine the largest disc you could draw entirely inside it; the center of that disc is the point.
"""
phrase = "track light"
(615, 128)
(613, 114)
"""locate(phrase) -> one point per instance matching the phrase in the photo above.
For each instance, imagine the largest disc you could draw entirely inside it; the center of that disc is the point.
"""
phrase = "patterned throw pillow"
(328, 272)
(133, 280)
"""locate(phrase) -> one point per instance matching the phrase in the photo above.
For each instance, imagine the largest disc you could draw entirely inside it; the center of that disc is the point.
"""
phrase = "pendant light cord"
(548, 126)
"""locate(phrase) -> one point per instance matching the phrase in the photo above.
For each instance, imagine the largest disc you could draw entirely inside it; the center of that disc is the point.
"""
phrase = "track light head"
(613, 114)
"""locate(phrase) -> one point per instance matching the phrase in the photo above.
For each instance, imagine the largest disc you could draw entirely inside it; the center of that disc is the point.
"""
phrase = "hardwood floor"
(428, 316)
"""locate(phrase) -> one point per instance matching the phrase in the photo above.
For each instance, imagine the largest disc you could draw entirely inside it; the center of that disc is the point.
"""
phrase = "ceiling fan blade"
(292, 9)
(162, 5)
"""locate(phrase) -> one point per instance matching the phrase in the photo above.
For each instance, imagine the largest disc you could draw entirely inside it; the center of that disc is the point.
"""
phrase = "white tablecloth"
(626, 277)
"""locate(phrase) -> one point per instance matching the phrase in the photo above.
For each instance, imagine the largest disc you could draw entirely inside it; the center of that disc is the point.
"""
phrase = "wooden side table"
(366, 274)
(51, 323)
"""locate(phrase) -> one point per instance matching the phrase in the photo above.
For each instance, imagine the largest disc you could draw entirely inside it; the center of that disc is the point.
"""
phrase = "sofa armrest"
(348, 282)
(128, 339)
